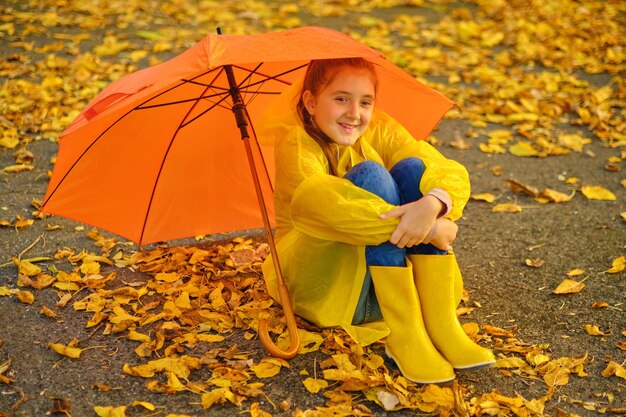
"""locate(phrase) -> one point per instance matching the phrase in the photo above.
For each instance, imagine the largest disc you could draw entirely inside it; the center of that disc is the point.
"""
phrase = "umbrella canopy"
(157, 155)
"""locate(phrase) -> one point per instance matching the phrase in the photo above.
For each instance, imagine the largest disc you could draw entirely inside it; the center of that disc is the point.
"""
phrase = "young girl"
(364, 218)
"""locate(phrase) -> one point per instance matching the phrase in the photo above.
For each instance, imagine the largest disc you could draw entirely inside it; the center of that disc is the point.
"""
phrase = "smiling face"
(343, 109)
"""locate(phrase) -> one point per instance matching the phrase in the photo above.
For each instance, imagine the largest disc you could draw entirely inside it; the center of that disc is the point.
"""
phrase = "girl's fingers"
(397, 212)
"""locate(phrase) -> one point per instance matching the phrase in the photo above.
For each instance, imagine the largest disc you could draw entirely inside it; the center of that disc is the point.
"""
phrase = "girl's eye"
(341, 99)
(366, 103)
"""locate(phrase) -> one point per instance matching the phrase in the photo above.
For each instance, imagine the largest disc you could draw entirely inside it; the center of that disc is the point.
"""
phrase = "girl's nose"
(353, 111)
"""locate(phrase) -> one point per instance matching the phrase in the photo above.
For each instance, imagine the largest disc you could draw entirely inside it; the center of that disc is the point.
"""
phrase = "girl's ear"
(309, 102)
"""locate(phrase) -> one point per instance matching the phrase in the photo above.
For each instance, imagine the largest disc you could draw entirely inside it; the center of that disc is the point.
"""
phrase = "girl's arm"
(325, 206)
(394, 143)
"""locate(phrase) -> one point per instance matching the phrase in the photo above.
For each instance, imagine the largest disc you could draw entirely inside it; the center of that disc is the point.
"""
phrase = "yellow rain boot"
(437, 280)
(408, 343)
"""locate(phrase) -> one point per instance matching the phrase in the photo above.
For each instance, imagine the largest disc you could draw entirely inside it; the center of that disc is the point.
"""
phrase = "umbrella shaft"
(238, 106)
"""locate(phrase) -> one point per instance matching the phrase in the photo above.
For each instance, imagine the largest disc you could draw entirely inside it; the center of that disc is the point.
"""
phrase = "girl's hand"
(444, 234)
(416, 221)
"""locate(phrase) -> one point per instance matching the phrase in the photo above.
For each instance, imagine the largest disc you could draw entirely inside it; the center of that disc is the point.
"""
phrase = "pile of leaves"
(183, 304)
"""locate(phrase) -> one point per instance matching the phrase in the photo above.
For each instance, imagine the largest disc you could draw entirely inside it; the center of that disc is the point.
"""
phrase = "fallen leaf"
(596, 192)
(488, 197)
(569, 286)
(26, 297)
(613, 368)
(144, 404)
(519, 188)
(594, 330)
(69, 351)
(535, 263)
(552, 196)
(268, 367)
(507, 208)
(110, 411)
(314, 385)
(618, 265)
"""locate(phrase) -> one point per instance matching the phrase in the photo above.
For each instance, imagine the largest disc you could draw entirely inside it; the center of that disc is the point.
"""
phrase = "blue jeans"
(398, 186)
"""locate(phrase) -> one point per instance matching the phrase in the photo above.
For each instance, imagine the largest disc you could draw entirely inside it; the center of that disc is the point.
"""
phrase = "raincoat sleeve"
(394, 143)
(322, 205)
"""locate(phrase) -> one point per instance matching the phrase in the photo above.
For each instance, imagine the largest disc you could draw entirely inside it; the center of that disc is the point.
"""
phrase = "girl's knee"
(413, 164)
(375, 178)
(367, 167)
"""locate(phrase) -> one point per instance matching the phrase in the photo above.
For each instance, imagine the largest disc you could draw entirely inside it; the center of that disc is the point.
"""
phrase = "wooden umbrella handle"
(292, 328)
(241, 117)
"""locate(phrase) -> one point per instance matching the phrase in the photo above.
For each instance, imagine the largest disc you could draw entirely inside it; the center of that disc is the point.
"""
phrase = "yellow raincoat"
(324, 222)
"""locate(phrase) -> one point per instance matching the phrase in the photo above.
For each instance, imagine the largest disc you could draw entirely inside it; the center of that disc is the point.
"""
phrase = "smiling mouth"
(348, 127)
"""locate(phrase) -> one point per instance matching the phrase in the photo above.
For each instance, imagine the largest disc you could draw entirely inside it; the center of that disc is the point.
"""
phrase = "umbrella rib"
(245, 90)
(158, 176)
(258, 146)
(264, 80)
(269, 77)
(170, 103)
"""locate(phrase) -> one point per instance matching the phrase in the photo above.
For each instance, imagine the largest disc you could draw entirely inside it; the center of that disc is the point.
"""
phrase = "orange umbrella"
(157, 156)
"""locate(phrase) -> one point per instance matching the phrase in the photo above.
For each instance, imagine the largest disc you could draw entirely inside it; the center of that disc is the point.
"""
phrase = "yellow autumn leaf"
(144, 404)
(136, 56)
(183, 301)
(111, 46)
(138, 337)
(255, 411)
(613, 368)
(20, 223)
(553, 196)
(167, 276)
(48, 312)
(26, 297)
(510, 362)
(14, 169)
(569, 286)
(6, 291)
(523, 149)
(9, 138)
(89, 267)
(140, 371)
(110, 411)
(523, 117)
(217, 396)
(537, 359)
(596, 192)
(268, 367)
(314, 385)
(27, 268)
(69, 351)
(594, 330)
(66, 286)
(600, 304)
(488, 197)
(491, 148)
(573, 141)
(558, 376)
(309, 341)
(497, 331)
(210, 338)
(575, 272)
(535, 263)
(618, 265)
(507, 208)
